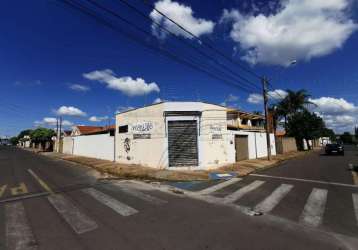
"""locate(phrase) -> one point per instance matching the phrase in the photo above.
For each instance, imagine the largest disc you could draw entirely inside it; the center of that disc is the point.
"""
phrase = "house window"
(244, 121)
(123, 129)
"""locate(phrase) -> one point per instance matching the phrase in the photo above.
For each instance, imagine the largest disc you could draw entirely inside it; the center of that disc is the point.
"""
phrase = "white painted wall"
(95, 146)
(256, 143)
(67, 145)
(153, 152)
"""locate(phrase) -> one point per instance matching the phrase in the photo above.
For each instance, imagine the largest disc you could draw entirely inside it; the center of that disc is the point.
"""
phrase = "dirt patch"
(109, 169)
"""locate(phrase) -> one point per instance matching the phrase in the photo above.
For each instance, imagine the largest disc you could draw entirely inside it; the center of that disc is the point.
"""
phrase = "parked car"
(334, 148)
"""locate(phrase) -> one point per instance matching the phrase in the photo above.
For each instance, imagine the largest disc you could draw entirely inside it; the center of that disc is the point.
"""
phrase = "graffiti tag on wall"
(127, 145)
(142, 127)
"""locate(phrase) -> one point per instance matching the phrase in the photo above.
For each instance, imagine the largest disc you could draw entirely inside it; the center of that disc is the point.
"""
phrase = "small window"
(123, 129)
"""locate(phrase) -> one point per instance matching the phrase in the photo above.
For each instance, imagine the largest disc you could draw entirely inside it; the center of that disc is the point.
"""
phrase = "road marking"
(140, 195)
(40, 181)
(79, 222)
(23, 197)
(355, 205)
(2, 190)
(18, 232)
(242, 191)
(107, 200)
(304, 180)
(274, 198)
(21, 189)
(314, 209)
(219, 186)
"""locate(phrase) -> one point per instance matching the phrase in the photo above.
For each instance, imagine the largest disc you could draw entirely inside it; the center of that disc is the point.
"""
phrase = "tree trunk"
(308, 144)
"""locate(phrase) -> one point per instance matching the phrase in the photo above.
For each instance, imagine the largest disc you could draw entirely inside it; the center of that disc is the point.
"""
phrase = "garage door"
(242, 147)
(182, 143)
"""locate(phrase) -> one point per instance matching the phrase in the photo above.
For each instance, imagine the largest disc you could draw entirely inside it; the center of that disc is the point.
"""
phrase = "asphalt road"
(52, 204)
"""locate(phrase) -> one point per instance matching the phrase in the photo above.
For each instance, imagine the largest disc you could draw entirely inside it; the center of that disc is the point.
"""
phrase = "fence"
(285, 144)
(95, 146)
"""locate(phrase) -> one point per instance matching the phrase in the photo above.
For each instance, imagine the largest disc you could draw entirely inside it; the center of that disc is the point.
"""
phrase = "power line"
(132, 7)
(204, 43)
(85, 10)
(128, 22)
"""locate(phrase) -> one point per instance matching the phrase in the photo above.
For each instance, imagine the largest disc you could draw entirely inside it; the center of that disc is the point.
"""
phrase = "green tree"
(294, 102)
(329, 133)
(347, 138)
(42, 135)
(305, 126)
(14, 140)
(24, 132)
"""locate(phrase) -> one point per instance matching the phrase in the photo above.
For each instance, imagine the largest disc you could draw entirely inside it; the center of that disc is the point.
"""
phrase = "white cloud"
(330, 105)
(230, 100)
(98, 118)
(300, 30)
(69, 111)
(255, 98)
(79, 87)
(275, 95)
(157, 100)
(181, 14)
(52, 121)
(338, 113)
(127, 85)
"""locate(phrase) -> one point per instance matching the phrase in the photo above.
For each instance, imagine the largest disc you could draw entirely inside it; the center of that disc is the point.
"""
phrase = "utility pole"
(57, 137)
(267, 127)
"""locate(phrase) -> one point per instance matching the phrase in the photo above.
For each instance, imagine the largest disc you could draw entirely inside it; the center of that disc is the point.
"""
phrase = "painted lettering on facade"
(143, 127)
(215, 128)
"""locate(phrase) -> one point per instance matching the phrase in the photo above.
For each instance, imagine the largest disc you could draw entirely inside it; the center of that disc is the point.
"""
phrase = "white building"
(90, 141)
(188, 135)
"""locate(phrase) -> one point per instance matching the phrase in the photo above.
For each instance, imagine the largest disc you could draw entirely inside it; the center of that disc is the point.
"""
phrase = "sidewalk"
(118, 170)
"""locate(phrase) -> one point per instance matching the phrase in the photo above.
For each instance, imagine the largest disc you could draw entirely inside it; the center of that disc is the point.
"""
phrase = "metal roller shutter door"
(182, 143)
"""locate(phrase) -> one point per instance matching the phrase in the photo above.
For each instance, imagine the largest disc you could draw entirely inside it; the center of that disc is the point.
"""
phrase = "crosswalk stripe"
(140, 195)
(355, 205)
(219, 186)
(18, 232)
(242, 191)
(79, 222)
(314, 209)
(107, 200)
(274, 198)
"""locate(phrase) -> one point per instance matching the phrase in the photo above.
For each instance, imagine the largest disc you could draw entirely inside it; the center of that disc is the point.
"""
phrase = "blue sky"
(58, 61)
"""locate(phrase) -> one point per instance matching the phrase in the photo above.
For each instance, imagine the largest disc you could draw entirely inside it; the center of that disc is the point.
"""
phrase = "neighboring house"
(247, 136)
(25, 142)
(83, 130)
(4, 141)
(189, 135)
(95, 142)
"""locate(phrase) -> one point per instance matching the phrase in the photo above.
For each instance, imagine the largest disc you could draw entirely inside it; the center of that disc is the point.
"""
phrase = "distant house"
(83, 130)
(90, 141)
